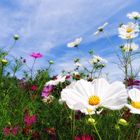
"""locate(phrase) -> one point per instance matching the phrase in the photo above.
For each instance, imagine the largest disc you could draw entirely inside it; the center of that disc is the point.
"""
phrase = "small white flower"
(101, 28)
(134, 15)
(97, 59)
(59, 79)
(128, 31)
(134, 95)
(78, 40)
(75, 43)
(130, 47)
(87, 97)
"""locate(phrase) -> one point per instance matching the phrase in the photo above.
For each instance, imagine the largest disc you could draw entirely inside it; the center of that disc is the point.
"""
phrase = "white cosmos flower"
(75, 43)
(97, 59)
(59, 79)
(87, 97)
(101, 28)
(134, 15)
(134, 95)
(128, 31)
(130, 47)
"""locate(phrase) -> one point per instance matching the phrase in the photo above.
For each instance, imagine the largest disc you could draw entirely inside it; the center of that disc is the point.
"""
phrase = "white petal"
(116, 96)
(84, 88)
(133, 110)
(134, 95)
(73, 98)
(100, 87)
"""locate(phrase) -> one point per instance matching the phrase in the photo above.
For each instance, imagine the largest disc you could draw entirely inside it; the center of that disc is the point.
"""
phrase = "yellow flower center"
(136, 105)
(94, 100)
(128, 36)
(129, 30)
(89, 110)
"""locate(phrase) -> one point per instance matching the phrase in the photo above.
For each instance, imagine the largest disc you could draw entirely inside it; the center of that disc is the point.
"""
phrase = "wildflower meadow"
(77, 104)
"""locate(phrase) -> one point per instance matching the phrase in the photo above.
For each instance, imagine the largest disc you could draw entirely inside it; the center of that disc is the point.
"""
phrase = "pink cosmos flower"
(34, 88)
(84, 137)
(29, 119)
(47, 90)
(15, 130)
(36, 55)
(6, 131)
(68, 76)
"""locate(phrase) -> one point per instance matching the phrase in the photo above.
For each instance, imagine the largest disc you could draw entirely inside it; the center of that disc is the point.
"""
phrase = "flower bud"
(9, 123)
(91, 52)
(4, 61)
(122, 122)
(117, 127)
(76, 60)
(91, 121)
(51, 62)
(16, 37)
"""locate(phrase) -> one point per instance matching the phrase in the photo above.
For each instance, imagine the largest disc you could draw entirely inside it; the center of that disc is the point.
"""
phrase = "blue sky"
(46, 26)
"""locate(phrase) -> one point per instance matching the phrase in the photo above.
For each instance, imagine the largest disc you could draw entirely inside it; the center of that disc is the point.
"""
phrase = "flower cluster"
(129, 47)
(98, 61)
(10, 131)
(128, 32)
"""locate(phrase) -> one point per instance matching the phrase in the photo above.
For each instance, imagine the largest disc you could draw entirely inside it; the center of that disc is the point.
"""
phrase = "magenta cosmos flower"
(29, 119)
(15, 130)
(131, 83)
(36, 55)
(6, 131)
(10, 131)
(84, 137)
(34, 88)
(47, 90)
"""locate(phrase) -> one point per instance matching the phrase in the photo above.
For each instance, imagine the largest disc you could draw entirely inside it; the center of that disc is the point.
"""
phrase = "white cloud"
(46, 24)
(57, 21)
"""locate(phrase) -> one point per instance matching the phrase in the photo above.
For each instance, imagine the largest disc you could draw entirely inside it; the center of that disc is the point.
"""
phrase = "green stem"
(137, 138)
(1, 73)
(73, 125)
(48, 67)
(11, 47)
(119, 136)
(129, 57)
(97, 132)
